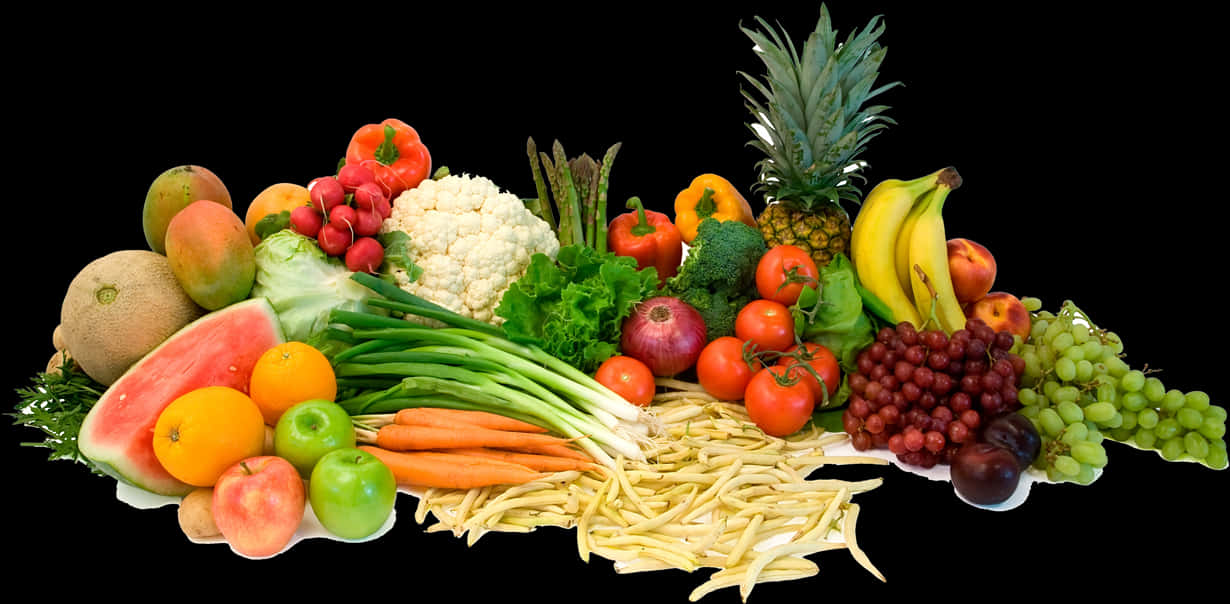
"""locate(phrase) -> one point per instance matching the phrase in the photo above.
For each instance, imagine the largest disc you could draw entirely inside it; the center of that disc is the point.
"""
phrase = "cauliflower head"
(471, 240)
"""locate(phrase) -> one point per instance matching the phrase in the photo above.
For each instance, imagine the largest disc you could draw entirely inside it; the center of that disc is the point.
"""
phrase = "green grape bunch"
(1079, 392)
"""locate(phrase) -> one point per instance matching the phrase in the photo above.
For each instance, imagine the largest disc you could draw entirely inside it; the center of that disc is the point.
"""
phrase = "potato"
(55, 362)
(57, 338)
(269, 432)
(196, 516)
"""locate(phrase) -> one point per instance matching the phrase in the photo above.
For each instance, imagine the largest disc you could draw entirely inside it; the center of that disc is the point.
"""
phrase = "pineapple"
(811, 125)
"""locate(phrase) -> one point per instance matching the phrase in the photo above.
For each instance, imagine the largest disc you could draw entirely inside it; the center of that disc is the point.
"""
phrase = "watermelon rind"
(217, 349)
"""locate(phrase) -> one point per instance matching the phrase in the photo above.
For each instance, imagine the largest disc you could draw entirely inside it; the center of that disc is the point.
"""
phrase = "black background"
(1082, 138)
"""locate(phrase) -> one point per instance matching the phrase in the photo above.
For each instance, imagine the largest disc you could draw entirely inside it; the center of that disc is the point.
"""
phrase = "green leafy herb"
(272, 223)
(833, 315)
(829, 419)
(56, 403)
(397, 254)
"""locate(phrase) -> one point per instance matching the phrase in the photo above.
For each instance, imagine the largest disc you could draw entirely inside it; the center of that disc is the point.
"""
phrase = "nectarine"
(274, 199)
(1002, 311)
(972, 268)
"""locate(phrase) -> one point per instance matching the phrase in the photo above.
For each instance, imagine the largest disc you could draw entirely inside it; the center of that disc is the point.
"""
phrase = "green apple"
(308, 430)
(352, 492)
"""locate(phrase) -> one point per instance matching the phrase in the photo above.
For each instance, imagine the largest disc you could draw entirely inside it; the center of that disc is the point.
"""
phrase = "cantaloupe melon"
(219, 349)
(118, 308)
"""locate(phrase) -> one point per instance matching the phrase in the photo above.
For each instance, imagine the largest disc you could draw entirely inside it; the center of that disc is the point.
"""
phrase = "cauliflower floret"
(471, 239)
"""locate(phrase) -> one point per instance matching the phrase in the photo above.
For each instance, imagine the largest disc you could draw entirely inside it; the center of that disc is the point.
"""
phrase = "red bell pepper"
(649, 237)
(393, 152)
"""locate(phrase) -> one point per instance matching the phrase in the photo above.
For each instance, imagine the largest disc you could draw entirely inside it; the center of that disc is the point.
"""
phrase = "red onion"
(664, 333)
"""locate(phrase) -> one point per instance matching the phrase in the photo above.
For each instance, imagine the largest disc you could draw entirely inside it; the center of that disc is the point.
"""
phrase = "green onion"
(390, 364)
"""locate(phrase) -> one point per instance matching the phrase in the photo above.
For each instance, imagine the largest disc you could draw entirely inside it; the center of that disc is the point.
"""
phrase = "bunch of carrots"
(464, 449)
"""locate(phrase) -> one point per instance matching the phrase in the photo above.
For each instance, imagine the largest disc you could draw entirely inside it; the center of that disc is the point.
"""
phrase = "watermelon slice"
(218, 349)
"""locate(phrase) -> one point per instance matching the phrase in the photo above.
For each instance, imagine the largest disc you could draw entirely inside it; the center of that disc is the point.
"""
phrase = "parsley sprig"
(56, 403)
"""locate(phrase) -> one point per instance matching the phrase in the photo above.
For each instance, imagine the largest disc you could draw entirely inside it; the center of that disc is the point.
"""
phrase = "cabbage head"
(303, 284)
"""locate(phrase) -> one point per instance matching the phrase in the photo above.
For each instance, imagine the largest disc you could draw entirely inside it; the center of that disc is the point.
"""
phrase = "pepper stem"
(387, 152)
(642, 227)
(705, 206)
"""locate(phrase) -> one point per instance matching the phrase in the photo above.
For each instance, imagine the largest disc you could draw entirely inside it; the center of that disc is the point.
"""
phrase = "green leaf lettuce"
(573, 307)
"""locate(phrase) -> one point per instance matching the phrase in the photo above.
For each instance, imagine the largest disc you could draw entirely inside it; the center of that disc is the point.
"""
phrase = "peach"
(1002, 311)
(258, 505)
(972, 268)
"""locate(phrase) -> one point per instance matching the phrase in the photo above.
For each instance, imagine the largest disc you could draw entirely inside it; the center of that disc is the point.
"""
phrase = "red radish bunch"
(345, 216)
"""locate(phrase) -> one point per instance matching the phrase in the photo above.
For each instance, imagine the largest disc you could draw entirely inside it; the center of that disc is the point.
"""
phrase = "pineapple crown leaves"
(814, 121)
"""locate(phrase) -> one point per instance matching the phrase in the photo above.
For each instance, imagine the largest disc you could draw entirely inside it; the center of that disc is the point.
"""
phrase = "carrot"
(448, 418)
(555, 450)
(534, 461)
(449, 470)
(399, 437)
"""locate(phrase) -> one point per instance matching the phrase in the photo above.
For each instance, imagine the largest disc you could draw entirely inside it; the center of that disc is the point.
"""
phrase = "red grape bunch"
(922, 394)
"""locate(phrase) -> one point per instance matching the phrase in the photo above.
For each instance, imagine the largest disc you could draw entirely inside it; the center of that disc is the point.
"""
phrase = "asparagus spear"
(585, 177)
(603, 178)
(565, 216)
(568, 199)
(544, 210)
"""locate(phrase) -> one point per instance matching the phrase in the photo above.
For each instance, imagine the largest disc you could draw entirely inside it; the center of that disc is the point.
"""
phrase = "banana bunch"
(899, 250)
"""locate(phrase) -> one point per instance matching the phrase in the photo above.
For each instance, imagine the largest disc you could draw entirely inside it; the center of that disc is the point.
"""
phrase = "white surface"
(940, 472)
(310, 528)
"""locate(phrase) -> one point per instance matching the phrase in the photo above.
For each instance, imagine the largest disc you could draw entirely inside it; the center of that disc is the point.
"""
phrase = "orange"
(273, 200)
(205, 431)
(288, 374)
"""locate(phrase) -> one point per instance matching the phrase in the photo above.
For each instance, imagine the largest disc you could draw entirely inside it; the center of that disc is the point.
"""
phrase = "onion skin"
(666, 334)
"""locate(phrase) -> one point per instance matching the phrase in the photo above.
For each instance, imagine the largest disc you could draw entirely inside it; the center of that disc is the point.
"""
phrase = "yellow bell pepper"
(709, 196)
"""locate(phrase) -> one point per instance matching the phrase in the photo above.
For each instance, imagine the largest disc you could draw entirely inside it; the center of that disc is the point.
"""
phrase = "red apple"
(972, 268)
(1002, 311)
(258, 505)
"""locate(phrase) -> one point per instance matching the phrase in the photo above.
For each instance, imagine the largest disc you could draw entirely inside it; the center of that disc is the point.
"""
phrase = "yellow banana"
(902, 250)
(928, 257)
(874, 236)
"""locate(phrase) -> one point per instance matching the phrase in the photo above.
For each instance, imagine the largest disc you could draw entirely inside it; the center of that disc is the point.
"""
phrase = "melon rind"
(218, 349)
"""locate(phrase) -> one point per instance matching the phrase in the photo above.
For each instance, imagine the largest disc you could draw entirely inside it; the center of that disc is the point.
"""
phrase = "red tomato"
(821, 360)
(782, 273)
(768, 324)
(628, 378)
(721, 369)
(775, 407)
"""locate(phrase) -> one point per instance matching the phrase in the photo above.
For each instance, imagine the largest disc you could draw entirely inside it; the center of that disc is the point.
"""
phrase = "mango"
(210, 254)
(171, 192)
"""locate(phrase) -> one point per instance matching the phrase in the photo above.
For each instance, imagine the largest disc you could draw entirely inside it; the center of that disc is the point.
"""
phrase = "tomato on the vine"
(783, 271)
(821, 359)
(628, 378)
(768, 324)
(722, 370)
(778, 404)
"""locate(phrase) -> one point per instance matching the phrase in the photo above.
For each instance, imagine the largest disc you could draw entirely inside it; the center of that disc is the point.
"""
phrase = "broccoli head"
(719, 274)
(717, 308)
